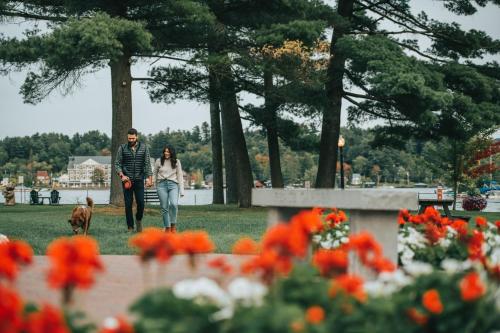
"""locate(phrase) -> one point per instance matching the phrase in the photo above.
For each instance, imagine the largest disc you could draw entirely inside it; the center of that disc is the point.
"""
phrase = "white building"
(81, 170)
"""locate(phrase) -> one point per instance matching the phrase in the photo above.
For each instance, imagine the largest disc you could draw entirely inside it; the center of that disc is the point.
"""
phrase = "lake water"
(204, 197)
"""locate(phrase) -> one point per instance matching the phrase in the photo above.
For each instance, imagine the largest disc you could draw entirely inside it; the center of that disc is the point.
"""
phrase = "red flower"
(434, 232)
(220, 263)
(461, 227)
(307, 221)
(12, 255)
(74, 262)
(245, 245)
(349, 284)
(481, 222)
(497, 223)
(330, 262)
(116, 325)
(335, 217)
(381, 264)
(417, 316)
(48, 319)
(471, 287)
(286, 239)
(155, 243)
(432, 301)
(403, 216)
(11, 308)
(475, 245)
(315, 314)
(195, 242)
(267, 264)
(365, 246)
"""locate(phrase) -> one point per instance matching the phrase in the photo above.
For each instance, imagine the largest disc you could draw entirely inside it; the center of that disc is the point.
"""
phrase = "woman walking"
(169, 184)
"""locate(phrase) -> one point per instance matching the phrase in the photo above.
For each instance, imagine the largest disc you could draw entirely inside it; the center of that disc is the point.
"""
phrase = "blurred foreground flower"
(74, 262)
(12, 255)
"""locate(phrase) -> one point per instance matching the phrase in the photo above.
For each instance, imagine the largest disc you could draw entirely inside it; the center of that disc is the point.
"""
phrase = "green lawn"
(39, 225)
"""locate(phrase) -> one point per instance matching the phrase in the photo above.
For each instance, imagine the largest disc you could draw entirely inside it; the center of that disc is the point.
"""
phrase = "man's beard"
(131, 144)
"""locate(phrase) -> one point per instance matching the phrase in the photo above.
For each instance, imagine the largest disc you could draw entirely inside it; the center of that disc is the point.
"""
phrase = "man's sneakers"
(130, 229)
(139, 225)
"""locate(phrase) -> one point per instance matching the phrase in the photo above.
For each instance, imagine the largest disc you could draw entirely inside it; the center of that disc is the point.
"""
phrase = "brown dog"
(81, 216)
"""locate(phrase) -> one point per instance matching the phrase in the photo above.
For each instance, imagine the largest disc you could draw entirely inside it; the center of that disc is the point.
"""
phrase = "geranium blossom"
(432, 302)
(74, 261)
(245, 245)
(220, 264)
(12, 255)
(417, 316)
(48, 319)
(154, 243)
(11, 307)
(471, 287)
(315, 314)
(330, 262)
(350, 285)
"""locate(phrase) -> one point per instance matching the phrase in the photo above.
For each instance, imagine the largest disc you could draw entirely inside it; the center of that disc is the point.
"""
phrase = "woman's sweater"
(165, 171)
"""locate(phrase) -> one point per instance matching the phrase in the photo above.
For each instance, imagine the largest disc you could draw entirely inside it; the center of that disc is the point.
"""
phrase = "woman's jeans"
(168, 193)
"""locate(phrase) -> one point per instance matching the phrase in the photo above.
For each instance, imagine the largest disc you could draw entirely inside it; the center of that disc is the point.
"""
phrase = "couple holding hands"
(133, 165)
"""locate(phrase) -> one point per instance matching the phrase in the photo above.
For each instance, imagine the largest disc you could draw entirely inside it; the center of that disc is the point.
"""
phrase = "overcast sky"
(89, 107)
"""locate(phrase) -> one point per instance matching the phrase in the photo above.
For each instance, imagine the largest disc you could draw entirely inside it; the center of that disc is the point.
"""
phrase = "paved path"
(123, 281)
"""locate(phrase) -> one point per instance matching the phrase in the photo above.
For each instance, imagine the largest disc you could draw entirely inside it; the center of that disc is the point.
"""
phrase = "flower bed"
(448, 282)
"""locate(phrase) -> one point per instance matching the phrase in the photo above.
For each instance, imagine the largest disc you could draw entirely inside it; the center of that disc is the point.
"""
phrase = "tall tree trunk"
(216, 138)
(121, 92)
(229, 164)
(330, 129)
(235, 136)
(271, 124)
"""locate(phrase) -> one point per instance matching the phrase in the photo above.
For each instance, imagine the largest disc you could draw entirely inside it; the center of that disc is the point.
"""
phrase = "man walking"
(133, 165)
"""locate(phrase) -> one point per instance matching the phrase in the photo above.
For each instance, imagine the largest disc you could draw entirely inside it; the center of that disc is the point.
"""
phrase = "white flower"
(201, 290)
(246, 291)
(416, 268)
(495, 256)
(344, 240)
(328, 244)
(339, 234)
(111, 323)
(444, 242)
(387, 283)
(3, 238)
(453, 266)
(316, 239)
(407, 256)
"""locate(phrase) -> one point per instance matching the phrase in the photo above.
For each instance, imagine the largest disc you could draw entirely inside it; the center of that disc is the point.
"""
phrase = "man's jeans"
(137, 189)
(168, 193)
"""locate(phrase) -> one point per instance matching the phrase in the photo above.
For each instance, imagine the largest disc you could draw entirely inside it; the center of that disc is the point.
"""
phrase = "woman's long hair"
(173, 156)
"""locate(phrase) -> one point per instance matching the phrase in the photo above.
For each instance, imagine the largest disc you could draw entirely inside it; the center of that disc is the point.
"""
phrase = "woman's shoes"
(171, 229)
